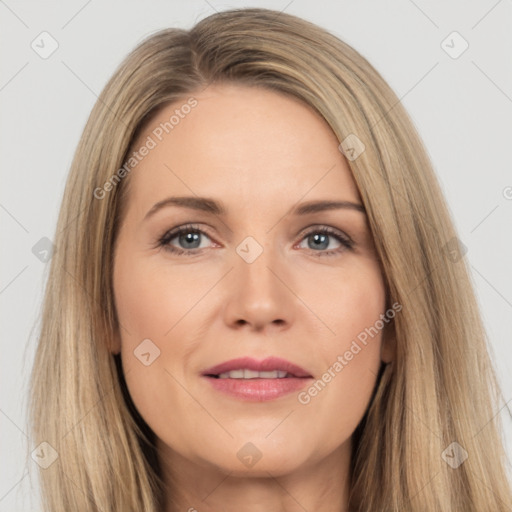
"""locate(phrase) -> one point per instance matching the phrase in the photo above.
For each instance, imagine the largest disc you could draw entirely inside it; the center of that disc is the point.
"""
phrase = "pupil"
(190, 238)
(317, 237)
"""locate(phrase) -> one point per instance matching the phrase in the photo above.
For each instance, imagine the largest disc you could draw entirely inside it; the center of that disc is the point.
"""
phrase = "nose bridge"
(255, 262)
(259, 293)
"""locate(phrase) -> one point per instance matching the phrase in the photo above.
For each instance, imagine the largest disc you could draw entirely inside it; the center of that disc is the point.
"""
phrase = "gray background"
(461, 106)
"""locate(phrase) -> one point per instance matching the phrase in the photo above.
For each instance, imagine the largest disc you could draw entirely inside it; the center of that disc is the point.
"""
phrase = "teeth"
(272, 375)
(251, 374)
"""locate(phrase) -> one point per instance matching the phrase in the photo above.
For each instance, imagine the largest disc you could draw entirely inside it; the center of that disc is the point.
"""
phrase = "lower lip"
(258, 390)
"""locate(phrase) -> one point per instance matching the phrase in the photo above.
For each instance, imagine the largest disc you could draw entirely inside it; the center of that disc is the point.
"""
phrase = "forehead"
(242, 141)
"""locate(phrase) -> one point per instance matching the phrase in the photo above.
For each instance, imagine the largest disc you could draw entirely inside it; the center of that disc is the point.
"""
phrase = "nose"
(260, 294)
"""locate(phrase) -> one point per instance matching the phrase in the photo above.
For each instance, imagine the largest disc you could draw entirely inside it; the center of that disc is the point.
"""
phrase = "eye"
(189, 236)
(319, 239)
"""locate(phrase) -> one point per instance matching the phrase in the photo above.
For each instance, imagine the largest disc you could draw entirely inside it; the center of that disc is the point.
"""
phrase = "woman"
(262, 369)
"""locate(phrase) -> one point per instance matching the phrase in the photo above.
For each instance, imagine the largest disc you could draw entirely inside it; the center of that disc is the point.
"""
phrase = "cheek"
(148, 302)
(144, 305)
(155, 307)
(352, 309)
(339, 397)
(157, 300)
(349, 303)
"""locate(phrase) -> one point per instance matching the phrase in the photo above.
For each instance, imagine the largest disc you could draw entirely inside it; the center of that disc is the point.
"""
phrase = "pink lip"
(258, 390)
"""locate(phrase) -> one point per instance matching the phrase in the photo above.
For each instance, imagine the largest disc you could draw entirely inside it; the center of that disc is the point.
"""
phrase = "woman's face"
(253, 275)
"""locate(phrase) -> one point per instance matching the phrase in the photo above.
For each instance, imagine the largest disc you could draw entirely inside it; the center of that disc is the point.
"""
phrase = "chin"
(270, 465)
(260, 457)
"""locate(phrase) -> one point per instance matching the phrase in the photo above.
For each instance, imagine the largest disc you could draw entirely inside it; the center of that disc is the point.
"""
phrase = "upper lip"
(266, 365)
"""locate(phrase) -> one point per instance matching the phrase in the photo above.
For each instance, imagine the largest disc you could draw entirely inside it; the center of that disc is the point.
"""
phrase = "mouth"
(252, 380)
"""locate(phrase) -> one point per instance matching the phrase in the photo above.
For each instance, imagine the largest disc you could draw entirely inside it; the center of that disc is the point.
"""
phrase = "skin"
(260, 153)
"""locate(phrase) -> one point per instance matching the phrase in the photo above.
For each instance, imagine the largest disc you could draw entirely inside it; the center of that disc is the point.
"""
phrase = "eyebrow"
(209, 205)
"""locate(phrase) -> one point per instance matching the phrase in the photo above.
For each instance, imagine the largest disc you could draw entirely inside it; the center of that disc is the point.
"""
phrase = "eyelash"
(164, 240)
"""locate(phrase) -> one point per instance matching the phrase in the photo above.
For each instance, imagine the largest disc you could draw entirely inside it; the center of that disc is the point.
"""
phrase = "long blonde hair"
(440, 388)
